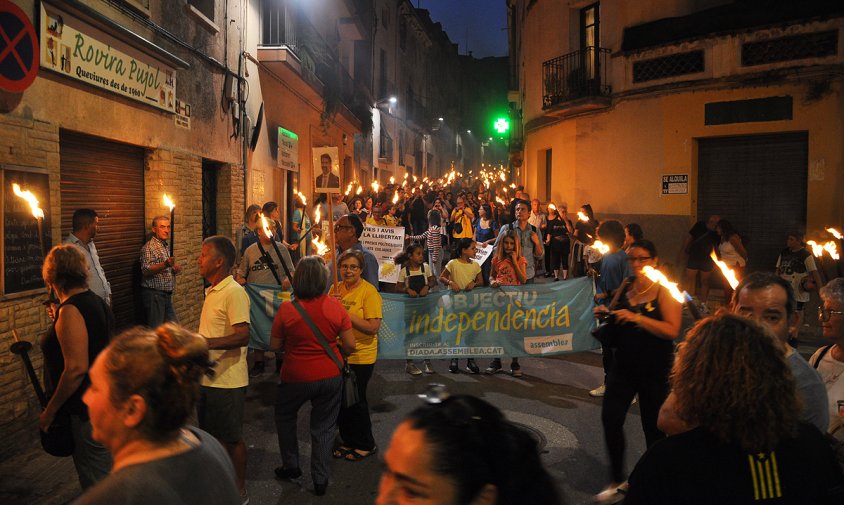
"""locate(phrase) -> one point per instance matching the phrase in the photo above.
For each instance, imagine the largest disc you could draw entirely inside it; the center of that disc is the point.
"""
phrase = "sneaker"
(412, 369)
(635, 400)
(515, 369)
(598, 391)
(244, 497)
(494, 367)
(452, 366)
(472, 367)
(428, 369)
(257, 369)
(610, 494)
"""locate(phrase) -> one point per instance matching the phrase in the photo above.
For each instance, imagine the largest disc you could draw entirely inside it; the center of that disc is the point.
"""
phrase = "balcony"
(576, 82)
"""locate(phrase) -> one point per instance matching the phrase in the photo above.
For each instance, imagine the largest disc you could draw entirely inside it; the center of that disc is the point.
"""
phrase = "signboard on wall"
(77, 50)
(675, 184)
(288, 150)
(21, 242)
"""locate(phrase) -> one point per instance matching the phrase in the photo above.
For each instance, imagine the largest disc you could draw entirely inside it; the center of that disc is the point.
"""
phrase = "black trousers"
(622, 386)
(354, 422)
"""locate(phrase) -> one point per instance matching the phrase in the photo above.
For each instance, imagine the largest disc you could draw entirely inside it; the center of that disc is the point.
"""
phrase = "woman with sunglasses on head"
(442, 454)
(829, 360)
(647, 321)
(363, 303)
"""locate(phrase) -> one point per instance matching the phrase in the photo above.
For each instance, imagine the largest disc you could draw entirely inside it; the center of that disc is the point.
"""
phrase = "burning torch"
(169, 203)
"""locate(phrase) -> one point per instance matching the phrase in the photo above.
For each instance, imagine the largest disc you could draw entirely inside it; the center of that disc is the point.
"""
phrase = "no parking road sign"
(18, 48)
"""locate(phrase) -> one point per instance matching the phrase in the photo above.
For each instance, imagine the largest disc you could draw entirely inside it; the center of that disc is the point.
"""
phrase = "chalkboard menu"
(22, 256)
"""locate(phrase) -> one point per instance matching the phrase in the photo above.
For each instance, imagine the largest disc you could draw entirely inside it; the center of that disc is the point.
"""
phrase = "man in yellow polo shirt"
(463, 216)
(224, 323)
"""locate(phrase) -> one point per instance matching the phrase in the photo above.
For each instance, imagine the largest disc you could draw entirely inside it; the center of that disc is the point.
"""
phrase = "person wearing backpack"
(530, 245)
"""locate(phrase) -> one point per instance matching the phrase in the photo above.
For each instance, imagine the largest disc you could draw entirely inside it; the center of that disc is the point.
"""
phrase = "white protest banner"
(384, 242)
(482, 253)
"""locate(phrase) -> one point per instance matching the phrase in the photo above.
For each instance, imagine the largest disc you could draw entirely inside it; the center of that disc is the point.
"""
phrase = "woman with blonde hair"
(144, 388)
(733, 387)
(82, 328)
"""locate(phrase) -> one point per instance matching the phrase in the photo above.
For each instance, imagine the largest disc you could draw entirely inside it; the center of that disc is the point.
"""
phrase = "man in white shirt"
(85, 224)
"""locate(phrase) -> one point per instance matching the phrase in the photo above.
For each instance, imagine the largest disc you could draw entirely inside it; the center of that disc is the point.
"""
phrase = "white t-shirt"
(832, 373)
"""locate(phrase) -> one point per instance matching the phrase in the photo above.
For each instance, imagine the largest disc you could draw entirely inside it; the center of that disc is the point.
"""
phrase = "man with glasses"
(829, 360)
(347, 232)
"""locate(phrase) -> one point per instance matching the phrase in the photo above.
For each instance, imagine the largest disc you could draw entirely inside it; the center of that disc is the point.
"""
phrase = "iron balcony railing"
(575, 75)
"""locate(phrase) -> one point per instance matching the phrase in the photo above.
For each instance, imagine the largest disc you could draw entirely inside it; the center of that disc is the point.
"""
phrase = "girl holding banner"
(509, 268)
(463, 274)
(416, 278)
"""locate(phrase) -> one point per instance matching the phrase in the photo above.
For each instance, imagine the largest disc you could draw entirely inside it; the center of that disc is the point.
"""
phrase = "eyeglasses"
(349, 267)
(639, 259)
(825, 314)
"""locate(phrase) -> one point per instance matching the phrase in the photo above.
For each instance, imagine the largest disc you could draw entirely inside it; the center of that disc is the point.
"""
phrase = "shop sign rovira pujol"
(80, 51)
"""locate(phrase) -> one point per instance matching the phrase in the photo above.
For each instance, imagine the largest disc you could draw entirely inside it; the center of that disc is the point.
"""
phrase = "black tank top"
(640, 351)
(99, 322)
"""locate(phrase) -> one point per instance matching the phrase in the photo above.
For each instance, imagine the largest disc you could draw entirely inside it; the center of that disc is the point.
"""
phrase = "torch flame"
(728, 272)
(513, 185)
(499, 200)
(305, 200)
(395, 197)
(265, 225)
(501, 176)
(583, 217)
(817, 249)
(321, 248)
(831, 249)
(359, 191)
(317, 216)
(375, 186)
(601, 247)
(392, 180)
(168, 202)
(30, 198)
(835, 233)
(551, 206)
(659, 277)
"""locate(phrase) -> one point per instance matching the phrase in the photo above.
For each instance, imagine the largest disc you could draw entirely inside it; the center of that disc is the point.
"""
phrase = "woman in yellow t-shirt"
(363, 304)
(463, 273)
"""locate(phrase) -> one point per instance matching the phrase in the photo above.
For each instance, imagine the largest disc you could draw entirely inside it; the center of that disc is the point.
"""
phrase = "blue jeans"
(158, 307)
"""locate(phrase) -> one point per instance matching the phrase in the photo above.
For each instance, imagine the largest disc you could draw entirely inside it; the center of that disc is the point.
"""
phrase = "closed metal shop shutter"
(109, 178)
(759, 184)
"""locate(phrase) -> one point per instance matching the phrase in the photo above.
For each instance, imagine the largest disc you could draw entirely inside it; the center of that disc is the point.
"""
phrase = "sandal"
(341, 452)
(355, 455)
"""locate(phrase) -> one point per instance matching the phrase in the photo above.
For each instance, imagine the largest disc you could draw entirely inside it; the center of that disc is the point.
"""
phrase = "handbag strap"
(318, 334)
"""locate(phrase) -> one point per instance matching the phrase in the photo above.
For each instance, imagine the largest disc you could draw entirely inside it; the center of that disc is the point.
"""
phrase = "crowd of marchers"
(731, 412)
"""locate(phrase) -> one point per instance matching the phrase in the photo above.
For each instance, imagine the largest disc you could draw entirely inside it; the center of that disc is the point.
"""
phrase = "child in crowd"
(392, 216)
(416, 279)
(463, 273)
(433, 238)
(509, 268)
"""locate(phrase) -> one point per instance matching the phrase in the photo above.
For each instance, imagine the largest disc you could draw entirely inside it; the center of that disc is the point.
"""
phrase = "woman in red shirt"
(308, 372)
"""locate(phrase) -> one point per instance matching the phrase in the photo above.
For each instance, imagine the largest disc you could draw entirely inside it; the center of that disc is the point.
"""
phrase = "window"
(205, 7)
(672, 65)
(403, 33)
(590, 38)
(277, 24)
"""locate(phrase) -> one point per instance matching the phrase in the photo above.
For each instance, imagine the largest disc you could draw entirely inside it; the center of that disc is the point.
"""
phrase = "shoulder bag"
(350, 394)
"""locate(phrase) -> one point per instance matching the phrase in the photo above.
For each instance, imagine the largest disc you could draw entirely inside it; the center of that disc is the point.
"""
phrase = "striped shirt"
(433, 242)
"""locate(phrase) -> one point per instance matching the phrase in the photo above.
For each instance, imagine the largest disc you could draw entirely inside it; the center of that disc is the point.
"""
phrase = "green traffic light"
(501, 125)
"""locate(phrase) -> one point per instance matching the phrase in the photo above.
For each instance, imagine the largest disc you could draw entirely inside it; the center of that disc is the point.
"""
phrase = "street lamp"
(391, 100)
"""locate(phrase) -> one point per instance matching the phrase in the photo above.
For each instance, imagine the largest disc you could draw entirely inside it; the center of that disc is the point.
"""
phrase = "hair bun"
(183, 349)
